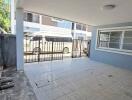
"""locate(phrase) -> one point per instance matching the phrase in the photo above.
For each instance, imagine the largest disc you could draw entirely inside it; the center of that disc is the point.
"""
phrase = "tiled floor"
(79, 79)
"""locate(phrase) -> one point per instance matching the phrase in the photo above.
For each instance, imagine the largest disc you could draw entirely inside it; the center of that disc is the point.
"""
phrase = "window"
(31, 17)
(80, 26)
(127, 44)
(84, 27)
(35, 18)
(46, 20)
(103, 39)
(57, 22)
(116, 39)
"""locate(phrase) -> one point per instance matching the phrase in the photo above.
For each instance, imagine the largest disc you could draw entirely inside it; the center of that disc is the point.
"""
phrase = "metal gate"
(38, 48)
(80, 48)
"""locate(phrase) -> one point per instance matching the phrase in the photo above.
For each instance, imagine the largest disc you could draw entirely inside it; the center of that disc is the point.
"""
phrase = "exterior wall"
(47, 21)
(8, 50)
(116, 59)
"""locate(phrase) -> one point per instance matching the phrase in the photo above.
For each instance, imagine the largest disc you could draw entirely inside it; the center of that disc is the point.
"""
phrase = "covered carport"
(20, 8)
(82, 79)
(90, 12)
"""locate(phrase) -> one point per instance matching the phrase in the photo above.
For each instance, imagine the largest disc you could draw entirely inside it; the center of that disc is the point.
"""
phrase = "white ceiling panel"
(89, 12)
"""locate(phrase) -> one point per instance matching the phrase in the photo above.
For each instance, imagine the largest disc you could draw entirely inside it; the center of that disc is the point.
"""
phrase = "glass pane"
(78, 26)
(115, 38)
(84, 28)
(103, 44)
(65, 24)
(103, 39)
(25, 16)
(128, 34)
(127, 46)
(114, 45)
(104, 36)
(29, 17)
(36, 18)
(127, 40)
(128, 37)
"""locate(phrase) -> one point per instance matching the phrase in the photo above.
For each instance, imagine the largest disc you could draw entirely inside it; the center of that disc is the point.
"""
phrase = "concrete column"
(19, 38)
(12, 17)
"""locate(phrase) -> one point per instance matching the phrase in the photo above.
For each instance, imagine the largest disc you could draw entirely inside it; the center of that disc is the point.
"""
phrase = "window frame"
(119, 50)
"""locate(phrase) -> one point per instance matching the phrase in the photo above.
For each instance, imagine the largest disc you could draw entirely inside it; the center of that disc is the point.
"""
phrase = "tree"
(5, 15)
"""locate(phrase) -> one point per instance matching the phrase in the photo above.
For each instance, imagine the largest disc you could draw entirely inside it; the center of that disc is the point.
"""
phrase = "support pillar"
(19, 38)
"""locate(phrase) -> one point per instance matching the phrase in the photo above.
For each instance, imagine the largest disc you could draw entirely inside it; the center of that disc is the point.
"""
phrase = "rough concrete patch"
(100, 84)
(22, 89)
(128, 94)
(110, 75)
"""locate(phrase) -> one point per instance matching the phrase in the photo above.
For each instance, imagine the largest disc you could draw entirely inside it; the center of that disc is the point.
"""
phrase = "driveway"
(79, 79)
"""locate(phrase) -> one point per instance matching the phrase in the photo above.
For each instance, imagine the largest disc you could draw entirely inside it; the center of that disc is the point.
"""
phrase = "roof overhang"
(89, 12)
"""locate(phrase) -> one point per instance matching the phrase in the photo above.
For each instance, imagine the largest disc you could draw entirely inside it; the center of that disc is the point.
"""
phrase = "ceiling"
(89, 12)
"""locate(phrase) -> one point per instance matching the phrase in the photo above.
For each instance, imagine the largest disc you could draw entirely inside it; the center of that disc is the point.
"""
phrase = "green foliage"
(4, 15)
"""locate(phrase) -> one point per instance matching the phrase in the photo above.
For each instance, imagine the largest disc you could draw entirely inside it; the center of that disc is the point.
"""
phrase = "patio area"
(79, 79)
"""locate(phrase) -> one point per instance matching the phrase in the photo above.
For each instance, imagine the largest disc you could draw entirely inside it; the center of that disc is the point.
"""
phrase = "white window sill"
(124, 52)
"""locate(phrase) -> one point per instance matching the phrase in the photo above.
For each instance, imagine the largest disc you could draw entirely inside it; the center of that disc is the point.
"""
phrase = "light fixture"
(109, 7)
